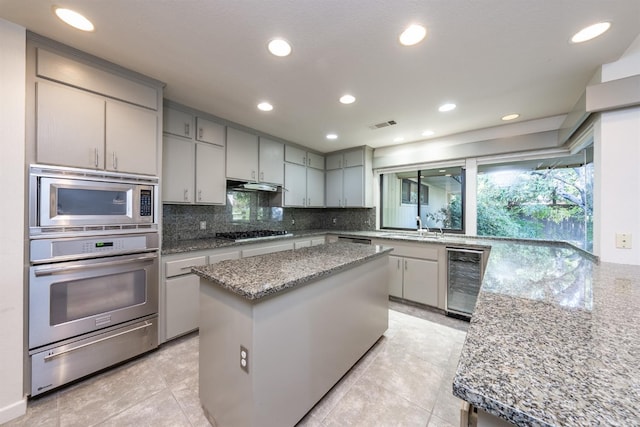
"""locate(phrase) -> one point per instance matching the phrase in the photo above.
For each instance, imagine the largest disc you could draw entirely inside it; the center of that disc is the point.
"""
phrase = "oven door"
(77, 202)
(73, 298)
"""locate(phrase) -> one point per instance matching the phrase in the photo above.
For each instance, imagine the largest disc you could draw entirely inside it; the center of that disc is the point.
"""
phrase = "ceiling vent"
(382, 125)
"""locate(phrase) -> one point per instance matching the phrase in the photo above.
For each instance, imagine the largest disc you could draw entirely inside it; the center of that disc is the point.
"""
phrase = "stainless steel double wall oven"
(93, 275)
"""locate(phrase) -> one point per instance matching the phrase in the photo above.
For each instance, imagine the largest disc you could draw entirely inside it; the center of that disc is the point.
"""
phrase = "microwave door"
(85, 203)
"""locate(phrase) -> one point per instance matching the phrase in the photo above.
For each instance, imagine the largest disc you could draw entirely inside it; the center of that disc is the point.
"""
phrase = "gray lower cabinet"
(414, 280)
(182, 288)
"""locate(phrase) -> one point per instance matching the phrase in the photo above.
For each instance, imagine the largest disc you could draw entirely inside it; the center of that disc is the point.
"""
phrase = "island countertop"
(554, 339)
(261, 276)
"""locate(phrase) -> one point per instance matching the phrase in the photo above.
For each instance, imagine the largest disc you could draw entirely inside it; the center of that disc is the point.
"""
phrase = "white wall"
(12, 161)
(617, 180)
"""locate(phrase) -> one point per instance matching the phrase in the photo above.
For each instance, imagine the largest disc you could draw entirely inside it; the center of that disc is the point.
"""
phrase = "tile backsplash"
(182, 222)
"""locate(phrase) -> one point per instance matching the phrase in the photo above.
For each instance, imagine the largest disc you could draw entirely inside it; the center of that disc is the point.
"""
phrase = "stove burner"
(251, 234)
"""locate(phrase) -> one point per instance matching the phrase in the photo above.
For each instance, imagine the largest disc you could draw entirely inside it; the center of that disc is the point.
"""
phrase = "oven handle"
(69, 350)
(48, 271)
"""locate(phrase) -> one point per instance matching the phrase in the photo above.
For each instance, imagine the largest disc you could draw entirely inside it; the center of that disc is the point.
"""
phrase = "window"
(439, 192)
(549, 199)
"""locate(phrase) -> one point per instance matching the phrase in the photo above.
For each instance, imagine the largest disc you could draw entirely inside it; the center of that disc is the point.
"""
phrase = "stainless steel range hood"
(252, 186)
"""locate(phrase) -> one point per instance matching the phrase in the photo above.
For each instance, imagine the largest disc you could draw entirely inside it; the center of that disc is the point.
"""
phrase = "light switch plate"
(623, 240)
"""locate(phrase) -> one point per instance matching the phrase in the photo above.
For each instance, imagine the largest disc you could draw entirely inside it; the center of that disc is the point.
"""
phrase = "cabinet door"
(295, 185)
(315, 187)
(353, 187)
(131, 139)
(69, 128)
(334, 161)
(182, 304)
(211, 132)
(396, 266)
(211, 185)
(271, 161)
(295, 155)
(353, 158)
(315, 161)
(421, 281)
(177, 122)
(242, 155)
(177, 170)
(334, 188)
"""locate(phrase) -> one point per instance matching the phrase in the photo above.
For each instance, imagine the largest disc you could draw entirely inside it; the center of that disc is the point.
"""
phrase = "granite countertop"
(261, 276)
(170, 247)
(554, 339)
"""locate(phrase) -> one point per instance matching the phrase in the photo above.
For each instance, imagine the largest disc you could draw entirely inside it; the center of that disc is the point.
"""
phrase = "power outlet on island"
(623, 240)
(203, 225)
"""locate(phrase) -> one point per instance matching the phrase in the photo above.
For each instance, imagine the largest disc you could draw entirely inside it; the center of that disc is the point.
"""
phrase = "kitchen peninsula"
(277, 331)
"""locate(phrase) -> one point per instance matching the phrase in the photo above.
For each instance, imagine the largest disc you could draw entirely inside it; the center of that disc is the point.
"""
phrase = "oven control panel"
(64, 249)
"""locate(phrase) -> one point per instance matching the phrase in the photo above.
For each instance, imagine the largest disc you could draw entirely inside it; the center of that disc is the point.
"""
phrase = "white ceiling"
(490, 57)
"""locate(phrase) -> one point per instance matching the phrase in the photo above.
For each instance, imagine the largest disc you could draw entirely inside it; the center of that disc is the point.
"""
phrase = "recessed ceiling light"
(398, 139)
(347, 99)
(332, 136)
(73, 18)
(279, 47)
(590, 32)
(428, 133)
(446, 107)
(265, 106)
(510, 117)
(414, 34)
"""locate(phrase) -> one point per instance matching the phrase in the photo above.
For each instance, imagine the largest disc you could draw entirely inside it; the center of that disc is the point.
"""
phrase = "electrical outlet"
(203, 225)
(335, 221)
(244, 359)
(293, 222)
(623, 240)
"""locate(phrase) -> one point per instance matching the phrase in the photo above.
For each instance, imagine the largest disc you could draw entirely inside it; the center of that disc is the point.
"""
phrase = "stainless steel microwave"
(68, 200)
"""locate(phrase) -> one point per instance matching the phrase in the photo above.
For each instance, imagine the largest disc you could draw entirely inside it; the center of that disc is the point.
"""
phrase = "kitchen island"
(277, 331)
(554, 340)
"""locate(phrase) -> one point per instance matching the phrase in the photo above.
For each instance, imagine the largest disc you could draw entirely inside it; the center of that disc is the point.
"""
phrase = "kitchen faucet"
(420, 226)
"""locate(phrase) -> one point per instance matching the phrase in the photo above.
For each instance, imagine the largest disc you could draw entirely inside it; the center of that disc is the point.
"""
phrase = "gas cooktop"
(252, 234)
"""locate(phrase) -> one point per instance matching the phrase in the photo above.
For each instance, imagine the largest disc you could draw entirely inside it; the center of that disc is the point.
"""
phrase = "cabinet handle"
(309, 201)
(303, 201)
(199, 194)
(200, 133)
(186, 195)
(114, 161)
(187, 129)
(406, 265)
(262, 176)
(308, 161)
(398, 263)
(304, 160)
(96, 157)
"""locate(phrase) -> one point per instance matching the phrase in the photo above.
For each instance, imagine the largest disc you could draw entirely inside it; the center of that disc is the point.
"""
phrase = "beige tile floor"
(404, 380)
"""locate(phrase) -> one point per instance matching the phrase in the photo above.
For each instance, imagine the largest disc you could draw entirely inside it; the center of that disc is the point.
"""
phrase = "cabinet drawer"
(414, 251)
(317, 241)
(213, 258)
(266, 249)
(183, 266)
(301, 244)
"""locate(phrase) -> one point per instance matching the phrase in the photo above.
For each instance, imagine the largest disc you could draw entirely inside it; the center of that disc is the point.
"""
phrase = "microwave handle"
(48, 271)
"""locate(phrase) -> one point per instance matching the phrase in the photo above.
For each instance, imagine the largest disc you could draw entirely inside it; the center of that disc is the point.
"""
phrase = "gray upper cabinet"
(210, 132)
(349, 178)
(242, 155)
(271, 161)
(91, 115)
(79, 129)
(177, 123)
(303, 178)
